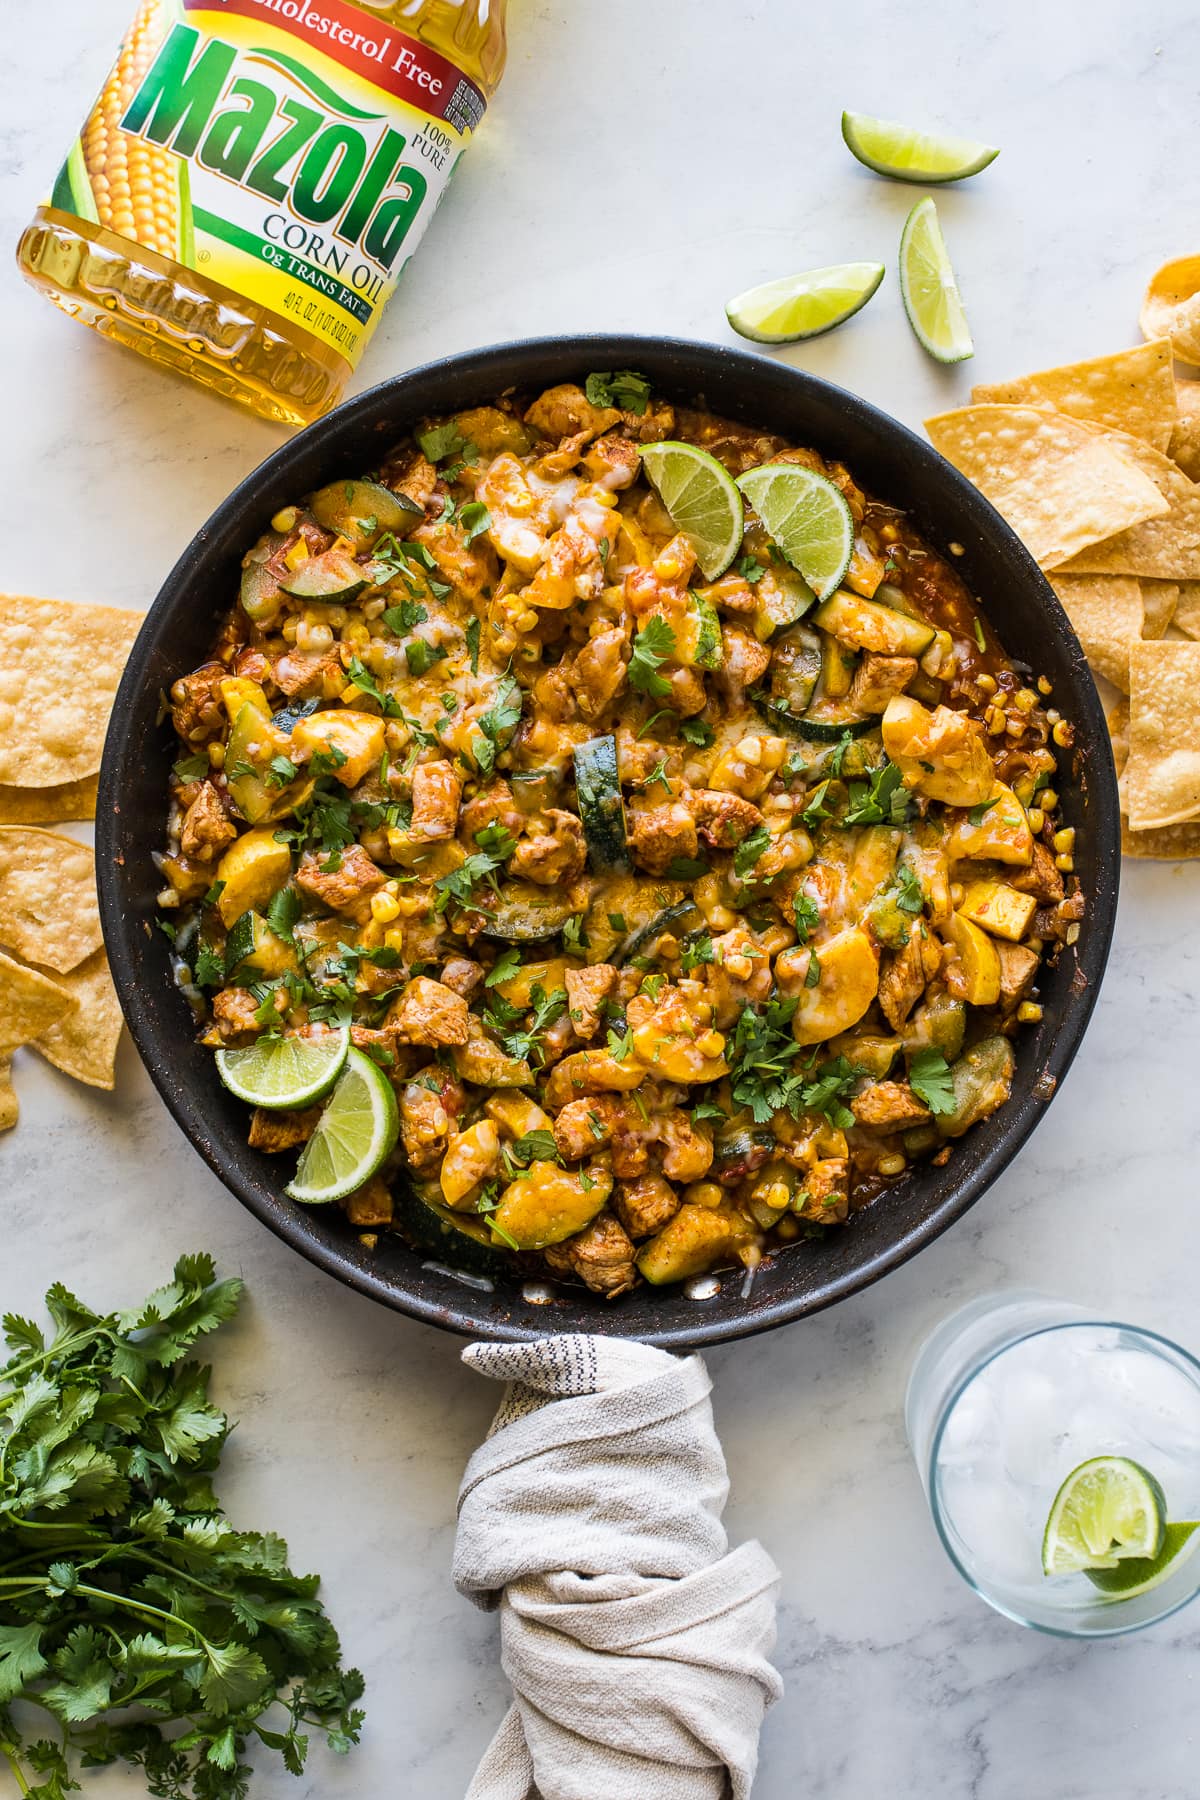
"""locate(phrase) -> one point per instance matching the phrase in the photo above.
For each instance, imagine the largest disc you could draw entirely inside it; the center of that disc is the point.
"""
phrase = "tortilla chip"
(1187, 611)
(29, 1004)
(1106, 612)
(1159, 601)
(1167, 546)
(1169, 843)
(59, 669)
(1131, 390)
(1060, 484)
(1171, 307)
(48, 806)
(48, 908)
(84, 1043)
(10, 1112)
(1161, 783)
(1184, 447)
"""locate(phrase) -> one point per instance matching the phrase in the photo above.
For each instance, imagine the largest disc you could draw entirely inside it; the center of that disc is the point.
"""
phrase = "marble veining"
(644, 160)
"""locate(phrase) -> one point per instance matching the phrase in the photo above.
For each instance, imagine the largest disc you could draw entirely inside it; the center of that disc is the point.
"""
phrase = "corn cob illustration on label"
(291, 151)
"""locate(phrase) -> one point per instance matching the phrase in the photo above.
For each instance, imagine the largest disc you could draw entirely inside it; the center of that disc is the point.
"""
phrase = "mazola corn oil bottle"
(254, 177)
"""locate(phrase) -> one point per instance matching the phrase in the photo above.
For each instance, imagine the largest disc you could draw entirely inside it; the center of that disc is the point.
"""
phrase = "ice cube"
(1032, 1418)
(987, 1515)
(972, 1428)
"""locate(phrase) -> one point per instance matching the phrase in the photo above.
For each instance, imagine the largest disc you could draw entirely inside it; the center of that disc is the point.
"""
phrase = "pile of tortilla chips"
(1093, 466)
(59, 669)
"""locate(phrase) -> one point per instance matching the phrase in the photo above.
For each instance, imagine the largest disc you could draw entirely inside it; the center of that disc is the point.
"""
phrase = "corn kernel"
(986, 684)
(710, 1044)
(526, 620)
(956, 893)
(1049, 800)
(1029, 1013)
(1065, 864)
(750, 751)
(216, 756)
(357, 636)
(297, 554)
(1026, 699)
(385, 908)
(1037, 819)
(1072, 934)
(285, 519)
(1044, 687)
(394, 940)
(1064, 840)
(704, 1193)
(1062, 734)
(892, 1165)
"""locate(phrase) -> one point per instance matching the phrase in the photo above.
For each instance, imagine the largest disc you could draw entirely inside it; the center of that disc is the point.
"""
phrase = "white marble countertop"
(644, 160)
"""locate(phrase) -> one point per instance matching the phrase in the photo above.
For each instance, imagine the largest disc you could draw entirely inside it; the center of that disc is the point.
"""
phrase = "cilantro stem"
(32, 1585)
(15, 1768)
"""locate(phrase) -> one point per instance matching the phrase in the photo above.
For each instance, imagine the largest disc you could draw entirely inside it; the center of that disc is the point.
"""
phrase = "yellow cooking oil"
(252, 180)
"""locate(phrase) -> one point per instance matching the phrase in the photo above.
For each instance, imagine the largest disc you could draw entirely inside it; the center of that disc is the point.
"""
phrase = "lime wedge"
(1106, 1510)
(807, 517)
(356, 1133)
(1138, 1574)
(803, 306)
(907, 155)
(702, 500)
(929, 290)
(285, 1071)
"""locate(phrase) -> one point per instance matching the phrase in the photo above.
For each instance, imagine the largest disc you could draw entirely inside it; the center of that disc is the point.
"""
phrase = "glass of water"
(1010, 1395)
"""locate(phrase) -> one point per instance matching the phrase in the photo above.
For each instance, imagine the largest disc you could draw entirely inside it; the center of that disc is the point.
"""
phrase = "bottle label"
(291, 150)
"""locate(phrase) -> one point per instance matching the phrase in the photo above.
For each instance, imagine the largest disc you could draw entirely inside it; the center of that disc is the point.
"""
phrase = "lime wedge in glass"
(807, 517)
(1138, 1574)
(907, 155)
(1106, 1510)
(285, 1071)
(805, 305)
(929, 290)
(356, 1133)
(702, 500)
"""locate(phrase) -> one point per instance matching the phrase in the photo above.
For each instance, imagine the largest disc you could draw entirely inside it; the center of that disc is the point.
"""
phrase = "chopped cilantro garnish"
(807, 915)
(695, 731)
(977, 814)
(498, 723)
(750, 850)
(812, 975)
(405, 617)
(475, 519)
(750, 569)
(421, 656)
(440, 441)
(191, 768)
(652, 646)
(622, 388)
(880, 800)
(931, 1081)
(699, 950)
(473, 644)
(365, 682)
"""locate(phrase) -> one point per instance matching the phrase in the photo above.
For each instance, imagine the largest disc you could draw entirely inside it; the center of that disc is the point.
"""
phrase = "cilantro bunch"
(133, 1616)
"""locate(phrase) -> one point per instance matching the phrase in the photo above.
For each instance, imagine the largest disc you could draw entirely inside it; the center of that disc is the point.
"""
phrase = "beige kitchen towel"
(635, 1640)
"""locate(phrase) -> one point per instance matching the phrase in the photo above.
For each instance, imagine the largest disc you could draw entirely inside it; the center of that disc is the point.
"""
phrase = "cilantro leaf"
(473, 644)
(695, 731)
(652, 646)
(498, 723)
(363, 679)
(623, 388)
(977, 814)
(807, 915)
(700, 950)
(930, 1079)
(439, 441)
(881, 800)
(910, 895)
(475, 519)
(406, 617)
(750, 569)
(750, 850)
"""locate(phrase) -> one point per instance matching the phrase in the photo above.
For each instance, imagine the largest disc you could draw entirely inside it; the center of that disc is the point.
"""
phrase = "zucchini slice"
(621, 909)
(825, 723)
(783, 597)
(698, 642)
(681, 915)
(795, 667)
(461, 1240)
(259, 590)
(601, 806)
(362, 511)
(293, 712)
(333, 577)
(865, 625)
(525, 914)
(534, 789)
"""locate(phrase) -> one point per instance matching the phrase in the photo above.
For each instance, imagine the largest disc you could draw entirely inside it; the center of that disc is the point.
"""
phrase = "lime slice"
(356, 1133)
(807, 518)
(702, 500)
(929, 290)
(1138, 1574)
(285, 1071)
(907, 155)
(1107, 1509)
(803, 306)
